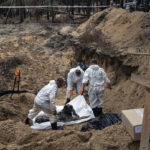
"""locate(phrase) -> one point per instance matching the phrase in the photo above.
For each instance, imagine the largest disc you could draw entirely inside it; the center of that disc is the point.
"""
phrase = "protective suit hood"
(52, 82)
(94, 67)
(74, 79)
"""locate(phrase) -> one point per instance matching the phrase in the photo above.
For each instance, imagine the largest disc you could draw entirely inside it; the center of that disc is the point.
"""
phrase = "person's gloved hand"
(55, 112)
(71, 92)
(109, 86)
(82, 91)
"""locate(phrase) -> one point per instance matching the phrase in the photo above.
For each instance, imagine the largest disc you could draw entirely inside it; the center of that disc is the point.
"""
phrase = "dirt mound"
(16, 135)
(122, 29)
(16, 108)
(108, 36)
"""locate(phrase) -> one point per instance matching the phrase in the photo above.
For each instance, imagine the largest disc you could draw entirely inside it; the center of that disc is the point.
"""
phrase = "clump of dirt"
(16, 108)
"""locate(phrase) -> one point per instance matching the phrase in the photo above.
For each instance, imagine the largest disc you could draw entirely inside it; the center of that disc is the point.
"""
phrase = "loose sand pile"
(46, 52)
(122, 29)
(109, 36)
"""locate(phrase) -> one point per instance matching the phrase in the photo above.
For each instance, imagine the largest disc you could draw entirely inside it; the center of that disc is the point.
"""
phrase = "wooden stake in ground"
(146, 118)
(146, 125)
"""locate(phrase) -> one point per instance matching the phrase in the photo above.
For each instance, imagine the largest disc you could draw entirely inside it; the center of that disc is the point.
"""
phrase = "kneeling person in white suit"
(46, 101)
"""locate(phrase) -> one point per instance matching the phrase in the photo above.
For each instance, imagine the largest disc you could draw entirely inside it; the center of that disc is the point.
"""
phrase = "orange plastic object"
(71, 92)
(17, 73)
(82, 91)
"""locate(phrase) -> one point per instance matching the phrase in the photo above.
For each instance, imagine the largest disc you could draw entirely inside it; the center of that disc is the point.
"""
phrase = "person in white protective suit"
(75, 77)
(46, 101)
(96, 77)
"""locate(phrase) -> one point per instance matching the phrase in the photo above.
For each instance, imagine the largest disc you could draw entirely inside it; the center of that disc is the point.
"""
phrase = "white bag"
(80, 106)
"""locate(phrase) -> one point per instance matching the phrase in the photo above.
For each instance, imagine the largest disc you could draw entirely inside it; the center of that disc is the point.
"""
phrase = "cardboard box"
(132, 119)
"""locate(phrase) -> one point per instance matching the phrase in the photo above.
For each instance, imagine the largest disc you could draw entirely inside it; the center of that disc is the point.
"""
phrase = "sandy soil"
(45, 52)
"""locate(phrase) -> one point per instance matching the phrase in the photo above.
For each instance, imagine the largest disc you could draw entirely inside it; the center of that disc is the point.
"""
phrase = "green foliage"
(6, 3)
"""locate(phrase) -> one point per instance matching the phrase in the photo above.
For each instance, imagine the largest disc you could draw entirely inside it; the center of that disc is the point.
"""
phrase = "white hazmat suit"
(96, 77)
(74, 79)
(45, 101)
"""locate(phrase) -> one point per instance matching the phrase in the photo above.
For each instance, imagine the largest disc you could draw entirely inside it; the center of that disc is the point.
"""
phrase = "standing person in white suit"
(96, 77)
(46, 101)
(75, 77)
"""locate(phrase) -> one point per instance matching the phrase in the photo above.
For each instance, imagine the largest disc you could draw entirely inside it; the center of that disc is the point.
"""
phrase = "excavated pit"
(47, 52)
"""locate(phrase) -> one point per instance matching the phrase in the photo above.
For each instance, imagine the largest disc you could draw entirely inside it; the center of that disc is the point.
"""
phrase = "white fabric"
(46, 97)
(45, 101)
(96, 97)
(96, 77)
(37, 108)
(74, 79)
(80, 106)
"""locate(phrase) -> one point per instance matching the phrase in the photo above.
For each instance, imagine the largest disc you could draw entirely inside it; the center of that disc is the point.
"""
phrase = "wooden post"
(145, 135)
(146, 125)
(141, 80)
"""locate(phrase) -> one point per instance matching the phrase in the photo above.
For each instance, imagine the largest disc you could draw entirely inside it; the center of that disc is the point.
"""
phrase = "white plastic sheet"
(80, 106)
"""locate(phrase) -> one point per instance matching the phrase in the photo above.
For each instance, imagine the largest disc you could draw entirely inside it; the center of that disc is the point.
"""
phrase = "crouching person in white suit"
(75, 77)
(46, 101)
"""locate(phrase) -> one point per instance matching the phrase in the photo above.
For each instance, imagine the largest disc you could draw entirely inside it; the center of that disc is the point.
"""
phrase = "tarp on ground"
(80, 106)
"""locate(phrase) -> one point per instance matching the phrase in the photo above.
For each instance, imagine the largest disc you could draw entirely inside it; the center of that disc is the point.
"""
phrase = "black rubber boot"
(100, 111)
(97, 111)
(27, 121)
(54, 126)
(67, 101)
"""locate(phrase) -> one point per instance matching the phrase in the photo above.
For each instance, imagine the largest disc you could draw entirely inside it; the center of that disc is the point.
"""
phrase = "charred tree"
(21, 13)
(52, 12)
(121, 3)
(12, 1)
(88, 10)
(147, 5)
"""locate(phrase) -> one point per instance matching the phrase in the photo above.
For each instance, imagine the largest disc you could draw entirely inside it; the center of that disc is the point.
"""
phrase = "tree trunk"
(88, 9)
(52, 12)
(147, 5)
(21, 12)
(72, 4)
(121, 3)
(8, 11)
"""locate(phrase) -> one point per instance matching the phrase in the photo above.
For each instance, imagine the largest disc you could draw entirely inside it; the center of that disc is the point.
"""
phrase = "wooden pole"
(146, 121)
(141, 80)
(145, 135)
(146, 125)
